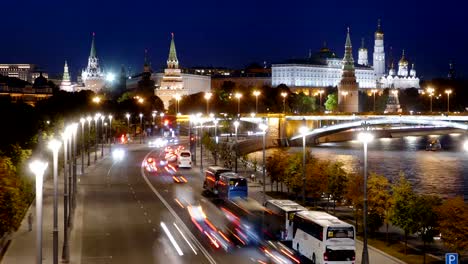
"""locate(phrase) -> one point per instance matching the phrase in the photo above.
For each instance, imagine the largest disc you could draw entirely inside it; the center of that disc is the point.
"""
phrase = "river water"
(443, 172)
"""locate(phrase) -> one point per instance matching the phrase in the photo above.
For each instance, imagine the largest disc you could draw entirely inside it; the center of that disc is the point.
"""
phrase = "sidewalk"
(256, 193)
(22, 247)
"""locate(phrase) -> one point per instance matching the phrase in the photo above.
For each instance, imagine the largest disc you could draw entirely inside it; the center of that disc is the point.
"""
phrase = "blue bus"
(230, 186)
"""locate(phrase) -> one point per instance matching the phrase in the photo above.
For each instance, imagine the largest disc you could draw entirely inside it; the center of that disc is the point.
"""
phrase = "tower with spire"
(171, 83)
(362, 55)
(66, 82)
(379, 53)
(348, 97)
(93, 77)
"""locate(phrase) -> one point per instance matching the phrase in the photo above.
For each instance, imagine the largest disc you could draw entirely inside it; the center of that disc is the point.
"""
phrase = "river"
(443, 172)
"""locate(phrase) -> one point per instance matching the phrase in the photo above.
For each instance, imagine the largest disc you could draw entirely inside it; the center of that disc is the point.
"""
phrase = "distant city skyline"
(230, 35)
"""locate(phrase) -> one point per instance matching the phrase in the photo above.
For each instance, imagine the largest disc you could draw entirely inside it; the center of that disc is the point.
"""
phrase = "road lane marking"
(186, 240)
(183, 226)
(171, 238)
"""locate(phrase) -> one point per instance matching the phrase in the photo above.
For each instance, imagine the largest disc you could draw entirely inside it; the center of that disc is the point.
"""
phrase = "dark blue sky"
(228, 33)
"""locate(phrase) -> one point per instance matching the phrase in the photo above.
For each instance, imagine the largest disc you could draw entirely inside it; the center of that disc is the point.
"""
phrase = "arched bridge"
(390, 120)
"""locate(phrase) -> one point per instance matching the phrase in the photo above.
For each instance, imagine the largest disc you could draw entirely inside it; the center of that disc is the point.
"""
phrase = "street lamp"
(38, 168)
(256, 94)
(448, 92)
(238, 96)
(127, 115)
(102, 135)
(200, 120)
(141, 127)
(207, 98)
(303, 130)
(284, 94)
(162, 124)
(236, 126)
(374, 91)
(365, 137)
(430, 92)
(74, 128)
(89, 135)
(110, 131)
(96, 118)
(82, 121)
(263, 127)
(215, 122)
(66, 204)
(96, 99)
(54, 146)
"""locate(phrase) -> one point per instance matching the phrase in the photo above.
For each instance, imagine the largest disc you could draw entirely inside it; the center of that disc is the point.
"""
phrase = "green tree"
(426, 218)
(402, 213)
(332, 102)
(276, 165)
(337, 180)
(379, 199)
(303, 103)
(453, 224)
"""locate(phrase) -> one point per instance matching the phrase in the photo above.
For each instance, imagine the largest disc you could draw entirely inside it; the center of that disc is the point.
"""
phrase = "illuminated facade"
(66, 84)
(403, 79)
(25, 72)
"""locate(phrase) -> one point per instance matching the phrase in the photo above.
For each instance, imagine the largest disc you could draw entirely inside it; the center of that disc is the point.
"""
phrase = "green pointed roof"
(348, 40)
(93, 48)
(172, 50)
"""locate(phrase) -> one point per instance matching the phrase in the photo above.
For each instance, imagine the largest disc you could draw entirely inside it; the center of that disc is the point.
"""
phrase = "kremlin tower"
(66, 83)
(348, 97)
(92, 76)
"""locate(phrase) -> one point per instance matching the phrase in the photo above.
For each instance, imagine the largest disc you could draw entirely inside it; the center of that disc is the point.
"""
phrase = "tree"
(276, 165)
(379, 199)
(453, 215)
(355, 193)
(302, 103)
(402, 213)
(426, 218)
(337, 180)
(332, 102)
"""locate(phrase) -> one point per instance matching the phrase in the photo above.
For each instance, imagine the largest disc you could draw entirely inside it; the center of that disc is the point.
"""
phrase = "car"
(150, 164)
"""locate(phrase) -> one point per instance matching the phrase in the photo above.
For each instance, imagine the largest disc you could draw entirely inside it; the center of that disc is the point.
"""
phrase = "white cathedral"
(324, 69)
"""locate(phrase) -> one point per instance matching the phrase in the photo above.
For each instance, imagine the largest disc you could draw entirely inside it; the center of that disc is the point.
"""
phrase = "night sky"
(228, 33)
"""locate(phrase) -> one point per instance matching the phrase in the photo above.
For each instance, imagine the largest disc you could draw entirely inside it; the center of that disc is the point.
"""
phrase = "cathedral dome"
(40, 82)
(403, 61)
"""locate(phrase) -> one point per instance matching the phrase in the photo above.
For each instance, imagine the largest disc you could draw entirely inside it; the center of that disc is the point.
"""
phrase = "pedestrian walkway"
(22, 246)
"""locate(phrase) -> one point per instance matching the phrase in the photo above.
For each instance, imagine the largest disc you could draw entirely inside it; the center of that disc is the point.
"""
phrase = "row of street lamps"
(69, 142)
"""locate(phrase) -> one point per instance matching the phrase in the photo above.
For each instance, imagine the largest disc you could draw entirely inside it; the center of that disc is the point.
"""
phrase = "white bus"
(323, 238)
(184, 159)
(282, 213)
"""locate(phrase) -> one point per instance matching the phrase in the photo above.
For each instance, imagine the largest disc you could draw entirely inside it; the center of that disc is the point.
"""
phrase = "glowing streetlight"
(96, 129)
(238, 96)
(430, 91)
(448, 92)
(215, 122)
(96, 99)
(263, 127)
(256, 94)
(141, 127)
(303, 130)
(82, 121)
(365, 137)
(127, 115)
(66, 204)
(207, 98)
(110, 77)
(374, 91)
(54, 146)
(102, 135)
(38, 168)
(284, 95)
(89, 118)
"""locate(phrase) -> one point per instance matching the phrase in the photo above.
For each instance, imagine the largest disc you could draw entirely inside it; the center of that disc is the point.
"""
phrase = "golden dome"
(403, 60)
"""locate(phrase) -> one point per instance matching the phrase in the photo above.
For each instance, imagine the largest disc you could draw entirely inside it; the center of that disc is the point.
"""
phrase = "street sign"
(451, 258)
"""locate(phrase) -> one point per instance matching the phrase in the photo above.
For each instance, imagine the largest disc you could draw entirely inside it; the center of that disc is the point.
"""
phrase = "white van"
(184, 159)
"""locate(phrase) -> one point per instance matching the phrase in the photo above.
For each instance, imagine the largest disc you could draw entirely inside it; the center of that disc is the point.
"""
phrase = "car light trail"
(290, 256)
(171, 238)
(179, 203)
(186, 240)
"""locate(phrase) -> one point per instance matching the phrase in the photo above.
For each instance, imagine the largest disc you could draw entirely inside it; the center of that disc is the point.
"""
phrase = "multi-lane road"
(130, 215)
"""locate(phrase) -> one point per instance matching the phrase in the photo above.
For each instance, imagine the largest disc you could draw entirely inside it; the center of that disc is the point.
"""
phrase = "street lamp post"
(374, 91)
(96, 129)
(111, 137)
(141, 127)
(65, 138)
(215, 122)
(162, 123)
(284, 94)
(82, 121)
(448, 92)
(88, 138)
(207, 98)
(365, 137)
(430, 91)
(74, 132)
(238, 96)
(38, 168)
(128, 122)
(263, 127)
(54, 146)
(256, 94)
(303, 130)
(153, 123)
(201, 144)
(103, 132)
(236, 126)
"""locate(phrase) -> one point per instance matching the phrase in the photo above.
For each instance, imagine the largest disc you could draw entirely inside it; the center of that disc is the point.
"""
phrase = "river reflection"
(443, 172)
